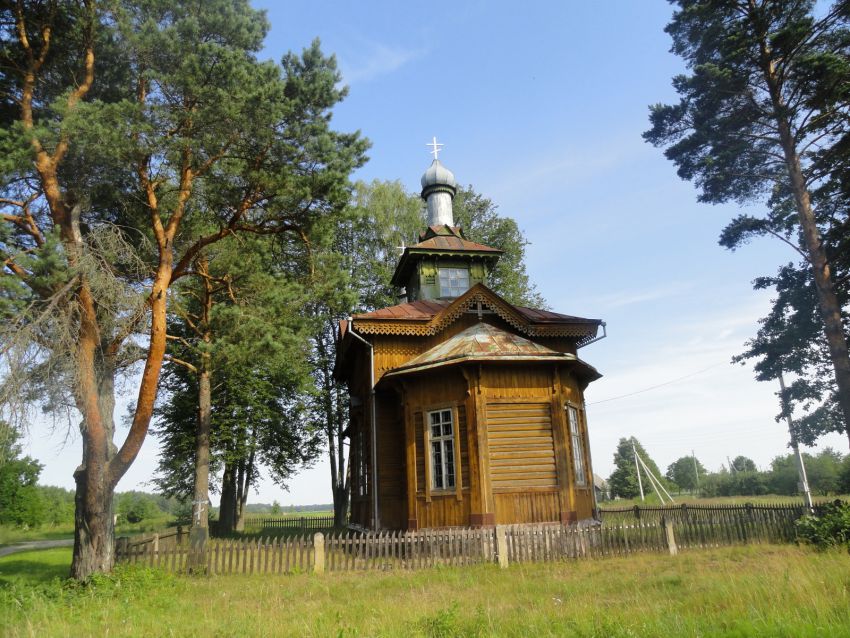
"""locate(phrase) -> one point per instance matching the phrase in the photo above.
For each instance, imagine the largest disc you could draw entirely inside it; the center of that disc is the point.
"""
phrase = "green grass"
(745, 591)
(11, 535)
(35, 567)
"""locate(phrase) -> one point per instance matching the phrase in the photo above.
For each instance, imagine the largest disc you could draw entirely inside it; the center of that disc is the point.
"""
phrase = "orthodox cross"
(435, 146)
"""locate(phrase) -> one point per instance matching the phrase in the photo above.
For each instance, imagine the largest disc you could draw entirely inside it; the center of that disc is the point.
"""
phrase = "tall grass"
(745, 591)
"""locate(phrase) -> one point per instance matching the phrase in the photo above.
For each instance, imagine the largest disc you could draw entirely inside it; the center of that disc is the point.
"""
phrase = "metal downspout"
(372, 425)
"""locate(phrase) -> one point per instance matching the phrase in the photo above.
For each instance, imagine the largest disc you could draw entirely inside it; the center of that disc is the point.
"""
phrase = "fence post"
(319, 553)
(121, 547)
(671, 539)
(179, 534)
(156, 543)
(501, 546)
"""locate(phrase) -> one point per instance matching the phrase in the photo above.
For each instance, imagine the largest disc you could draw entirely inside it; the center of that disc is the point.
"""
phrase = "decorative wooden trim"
(410, 452)
(566, 495)
(475, 295)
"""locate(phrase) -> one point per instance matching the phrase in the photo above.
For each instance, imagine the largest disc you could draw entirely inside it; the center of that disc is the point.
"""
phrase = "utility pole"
(732, 468)
(696, 471)
(637, 469)
(798, 457)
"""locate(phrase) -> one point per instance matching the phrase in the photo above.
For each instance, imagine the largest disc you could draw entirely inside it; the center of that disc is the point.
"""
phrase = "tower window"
(453, 282)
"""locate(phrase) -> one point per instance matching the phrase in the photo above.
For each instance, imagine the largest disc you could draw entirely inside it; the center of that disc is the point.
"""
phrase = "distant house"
(600, 487)
(465, 409)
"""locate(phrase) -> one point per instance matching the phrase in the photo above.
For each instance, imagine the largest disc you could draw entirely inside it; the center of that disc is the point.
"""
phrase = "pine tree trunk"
(94, 536)
(200, 513)
(830, 308)
(227, 504)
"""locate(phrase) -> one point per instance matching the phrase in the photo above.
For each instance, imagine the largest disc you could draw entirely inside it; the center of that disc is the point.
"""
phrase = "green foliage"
(686, 473)
(623, 481)
(725, 483)
(762, 118)
(135, 507)
(790, 339)
(743, 464)
(21, 502)
(828, 527)
(481, 222)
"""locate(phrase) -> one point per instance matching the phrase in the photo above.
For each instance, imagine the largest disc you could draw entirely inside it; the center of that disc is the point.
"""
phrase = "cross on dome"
(435, 146)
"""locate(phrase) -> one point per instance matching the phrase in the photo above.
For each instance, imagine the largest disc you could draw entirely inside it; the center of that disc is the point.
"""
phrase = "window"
(453, 282)
(362, 474)
(578, 447)
(442, 449)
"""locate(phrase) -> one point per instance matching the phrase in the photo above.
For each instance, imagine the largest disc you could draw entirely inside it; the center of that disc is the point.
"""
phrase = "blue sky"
(541, 106)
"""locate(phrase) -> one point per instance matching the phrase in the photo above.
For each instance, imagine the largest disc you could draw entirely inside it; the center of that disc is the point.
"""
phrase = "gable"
(413, 319)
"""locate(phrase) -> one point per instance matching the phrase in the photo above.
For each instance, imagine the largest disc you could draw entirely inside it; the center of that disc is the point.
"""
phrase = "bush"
(830, 527)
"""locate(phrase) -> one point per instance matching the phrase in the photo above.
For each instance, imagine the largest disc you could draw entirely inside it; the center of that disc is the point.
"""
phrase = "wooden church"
(465, 409)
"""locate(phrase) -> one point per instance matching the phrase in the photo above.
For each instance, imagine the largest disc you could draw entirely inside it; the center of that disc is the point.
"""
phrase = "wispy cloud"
(374, 59)
(631, 297)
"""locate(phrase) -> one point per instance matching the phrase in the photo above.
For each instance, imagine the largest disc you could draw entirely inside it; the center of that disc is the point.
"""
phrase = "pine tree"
(763, 115)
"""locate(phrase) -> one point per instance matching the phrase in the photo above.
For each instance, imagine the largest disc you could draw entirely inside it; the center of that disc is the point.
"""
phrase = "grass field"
(747, 591)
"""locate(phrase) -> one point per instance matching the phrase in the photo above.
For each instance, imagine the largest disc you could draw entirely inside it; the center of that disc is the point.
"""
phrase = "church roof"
(443, 241)
(484, 342)
(428, 317)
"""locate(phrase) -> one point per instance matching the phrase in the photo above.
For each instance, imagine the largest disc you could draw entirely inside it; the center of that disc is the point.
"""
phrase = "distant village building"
(465, 409)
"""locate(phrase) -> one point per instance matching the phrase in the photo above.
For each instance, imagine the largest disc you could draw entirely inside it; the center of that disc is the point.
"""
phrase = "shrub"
(830, 527)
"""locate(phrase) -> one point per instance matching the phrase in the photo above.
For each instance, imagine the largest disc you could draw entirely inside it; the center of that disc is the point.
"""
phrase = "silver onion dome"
(438, 175)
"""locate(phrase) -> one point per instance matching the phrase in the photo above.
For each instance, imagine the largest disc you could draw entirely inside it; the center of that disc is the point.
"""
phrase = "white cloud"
(631, 296)
(374, 59)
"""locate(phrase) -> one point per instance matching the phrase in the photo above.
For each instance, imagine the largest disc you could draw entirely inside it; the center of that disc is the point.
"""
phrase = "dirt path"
(22, 547)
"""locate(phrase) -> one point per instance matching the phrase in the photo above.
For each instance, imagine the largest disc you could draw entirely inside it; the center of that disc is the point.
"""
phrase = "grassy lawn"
(747, 591)
(11, 535)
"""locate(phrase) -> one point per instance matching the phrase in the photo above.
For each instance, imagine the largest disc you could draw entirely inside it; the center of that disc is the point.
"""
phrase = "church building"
(465, 410)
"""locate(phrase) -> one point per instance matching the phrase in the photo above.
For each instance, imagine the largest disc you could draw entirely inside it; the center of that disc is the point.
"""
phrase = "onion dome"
(438, 175)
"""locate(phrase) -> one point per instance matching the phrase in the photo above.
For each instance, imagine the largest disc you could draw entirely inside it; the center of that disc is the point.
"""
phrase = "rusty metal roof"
(484, 342)
(452, 243)
(421, 310)
(425, 309)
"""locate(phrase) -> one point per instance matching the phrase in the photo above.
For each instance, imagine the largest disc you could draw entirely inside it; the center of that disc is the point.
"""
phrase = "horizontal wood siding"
(522, 451)
(517, 382)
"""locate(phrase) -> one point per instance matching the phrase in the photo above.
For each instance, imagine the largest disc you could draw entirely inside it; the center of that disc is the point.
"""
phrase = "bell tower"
(444, 264)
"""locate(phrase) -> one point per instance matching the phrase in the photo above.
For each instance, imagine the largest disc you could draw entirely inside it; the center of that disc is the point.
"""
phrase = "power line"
(660, 385)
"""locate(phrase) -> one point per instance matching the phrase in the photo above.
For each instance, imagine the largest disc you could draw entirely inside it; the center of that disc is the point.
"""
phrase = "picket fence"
(353, 550)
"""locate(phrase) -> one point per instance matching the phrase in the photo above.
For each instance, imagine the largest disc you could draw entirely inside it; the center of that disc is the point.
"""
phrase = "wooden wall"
(515, 457)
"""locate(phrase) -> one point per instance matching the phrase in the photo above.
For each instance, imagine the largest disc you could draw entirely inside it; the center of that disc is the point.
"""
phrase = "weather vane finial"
(435, 147)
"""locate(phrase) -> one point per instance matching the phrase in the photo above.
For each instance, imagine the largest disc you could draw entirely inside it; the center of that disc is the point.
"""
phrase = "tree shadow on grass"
(33, 568)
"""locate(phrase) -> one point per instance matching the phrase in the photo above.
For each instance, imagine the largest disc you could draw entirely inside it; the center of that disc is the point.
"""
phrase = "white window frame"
(447, 291)
(577, 445)
(445, 442)
(362, 473)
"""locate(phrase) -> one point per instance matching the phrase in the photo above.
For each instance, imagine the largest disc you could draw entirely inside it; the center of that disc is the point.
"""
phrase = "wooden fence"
(263, 556)
(302, 523)
(708, 513)
(346, 551)
(690, 529)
